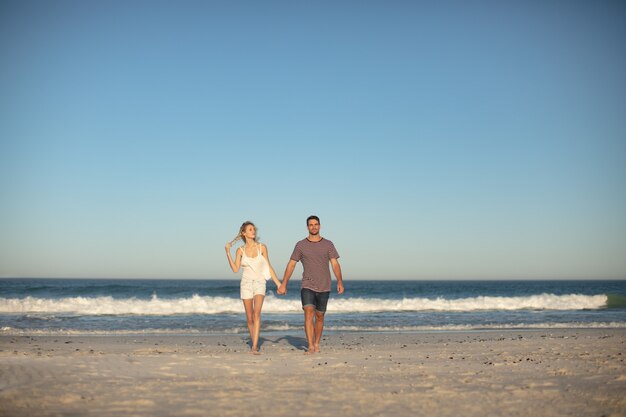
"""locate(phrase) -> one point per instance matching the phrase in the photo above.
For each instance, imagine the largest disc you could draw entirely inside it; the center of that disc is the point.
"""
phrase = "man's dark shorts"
(311, 298)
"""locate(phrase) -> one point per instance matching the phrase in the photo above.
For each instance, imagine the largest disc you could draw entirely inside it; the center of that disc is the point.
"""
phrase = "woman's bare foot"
(255, 351)
(309, 351)
(316, 349)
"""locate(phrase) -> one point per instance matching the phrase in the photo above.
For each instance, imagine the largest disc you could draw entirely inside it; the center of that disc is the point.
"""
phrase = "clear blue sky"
(436, 140)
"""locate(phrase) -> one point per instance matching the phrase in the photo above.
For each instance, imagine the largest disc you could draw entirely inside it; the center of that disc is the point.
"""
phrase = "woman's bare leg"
(249, 307)
(258, 305)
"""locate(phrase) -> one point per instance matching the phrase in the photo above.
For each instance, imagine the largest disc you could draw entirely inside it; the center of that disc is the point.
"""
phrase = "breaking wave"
(94, 306)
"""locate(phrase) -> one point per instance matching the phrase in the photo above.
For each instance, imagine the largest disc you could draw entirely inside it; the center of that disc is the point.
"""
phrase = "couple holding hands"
(315, 252)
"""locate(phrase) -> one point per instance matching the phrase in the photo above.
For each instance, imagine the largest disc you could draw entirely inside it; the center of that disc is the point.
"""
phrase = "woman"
(252, 256)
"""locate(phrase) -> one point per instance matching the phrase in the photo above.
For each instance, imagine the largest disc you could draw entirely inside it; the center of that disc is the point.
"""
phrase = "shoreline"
(511, 372)
(244, 332)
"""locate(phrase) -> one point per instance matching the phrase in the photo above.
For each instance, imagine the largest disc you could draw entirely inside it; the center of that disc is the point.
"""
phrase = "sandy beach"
(498, 373)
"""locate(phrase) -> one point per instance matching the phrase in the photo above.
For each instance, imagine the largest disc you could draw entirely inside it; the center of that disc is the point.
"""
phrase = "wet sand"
(498, 373)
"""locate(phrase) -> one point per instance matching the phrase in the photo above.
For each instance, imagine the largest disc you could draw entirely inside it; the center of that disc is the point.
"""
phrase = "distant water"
(82, 306)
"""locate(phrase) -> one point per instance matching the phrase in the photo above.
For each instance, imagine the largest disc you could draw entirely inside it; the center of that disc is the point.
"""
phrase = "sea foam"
(242, 329)
(90, 306)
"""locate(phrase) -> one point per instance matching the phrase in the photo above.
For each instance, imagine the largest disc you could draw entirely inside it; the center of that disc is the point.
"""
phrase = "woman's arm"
(272, 272)
(291, 265)
(234, 265)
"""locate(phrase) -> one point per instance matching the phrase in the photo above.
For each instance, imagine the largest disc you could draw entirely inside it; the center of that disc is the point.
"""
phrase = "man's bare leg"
(309, 329)
(319, 328)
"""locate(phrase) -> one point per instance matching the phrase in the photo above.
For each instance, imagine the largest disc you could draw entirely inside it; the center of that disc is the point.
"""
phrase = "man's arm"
(337, 271)
(291, 266)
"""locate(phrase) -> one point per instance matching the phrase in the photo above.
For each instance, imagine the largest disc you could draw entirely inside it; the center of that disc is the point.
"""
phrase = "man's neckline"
(315, 241)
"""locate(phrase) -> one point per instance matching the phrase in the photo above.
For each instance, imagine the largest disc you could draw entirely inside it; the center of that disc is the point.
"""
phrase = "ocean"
(113, 306)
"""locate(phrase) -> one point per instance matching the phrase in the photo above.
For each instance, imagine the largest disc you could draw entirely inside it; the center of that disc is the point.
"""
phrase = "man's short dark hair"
(312, 218)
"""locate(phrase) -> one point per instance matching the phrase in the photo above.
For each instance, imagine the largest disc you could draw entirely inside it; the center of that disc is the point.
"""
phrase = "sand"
(495, 373)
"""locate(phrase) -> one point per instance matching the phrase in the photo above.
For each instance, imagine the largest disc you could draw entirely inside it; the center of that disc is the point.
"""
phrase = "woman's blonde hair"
(243, 229)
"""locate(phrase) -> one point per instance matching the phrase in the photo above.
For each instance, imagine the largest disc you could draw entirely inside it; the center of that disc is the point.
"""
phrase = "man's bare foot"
(316, 349)
(255, 351)
(309, 351)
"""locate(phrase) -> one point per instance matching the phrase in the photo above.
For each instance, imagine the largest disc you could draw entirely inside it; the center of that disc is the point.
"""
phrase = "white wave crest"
(533, 302)
(218, 305)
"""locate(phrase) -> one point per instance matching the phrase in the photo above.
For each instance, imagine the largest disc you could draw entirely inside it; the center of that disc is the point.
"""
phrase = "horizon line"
(356, 279)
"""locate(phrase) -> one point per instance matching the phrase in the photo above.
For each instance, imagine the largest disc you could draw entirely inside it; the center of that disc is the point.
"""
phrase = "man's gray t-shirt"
(315, 257)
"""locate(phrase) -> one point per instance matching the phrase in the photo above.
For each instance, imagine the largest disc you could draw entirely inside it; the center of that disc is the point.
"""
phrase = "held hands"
(282, 290)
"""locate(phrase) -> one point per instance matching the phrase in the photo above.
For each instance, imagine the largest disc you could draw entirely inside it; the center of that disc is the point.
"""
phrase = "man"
(315, 252)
